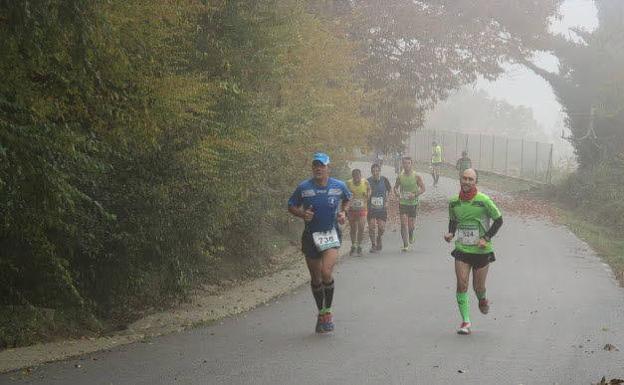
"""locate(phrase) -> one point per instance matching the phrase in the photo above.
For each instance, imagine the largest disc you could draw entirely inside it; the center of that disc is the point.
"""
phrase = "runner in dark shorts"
(470, 222)
(321, 202)
(408, 187)
(377, 207)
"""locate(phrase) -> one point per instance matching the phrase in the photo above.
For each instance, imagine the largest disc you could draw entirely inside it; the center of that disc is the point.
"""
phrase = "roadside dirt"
(208, 304)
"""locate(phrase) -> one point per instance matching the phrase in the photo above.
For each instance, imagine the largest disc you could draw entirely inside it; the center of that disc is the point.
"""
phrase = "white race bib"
(407, 195)
(377, 202)
(324, 240)
(468, 236)
(357, 204)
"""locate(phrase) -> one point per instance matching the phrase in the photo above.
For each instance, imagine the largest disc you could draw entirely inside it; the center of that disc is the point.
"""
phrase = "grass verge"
(606, 242)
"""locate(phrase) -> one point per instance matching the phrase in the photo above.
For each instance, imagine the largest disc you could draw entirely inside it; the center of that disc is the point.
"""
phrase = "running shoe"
(404, 249)
(484, 306)
(359, 251)
(373, 249)
(378, 243)
(353, 250)
(464, 328)
(319, 324)
(327, 322)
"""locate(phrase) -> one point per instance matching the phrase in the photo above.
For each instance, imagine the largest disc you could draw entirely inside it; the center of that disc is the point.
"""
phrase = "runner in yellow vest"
(436, 162)
(358, 210)
(408, 187)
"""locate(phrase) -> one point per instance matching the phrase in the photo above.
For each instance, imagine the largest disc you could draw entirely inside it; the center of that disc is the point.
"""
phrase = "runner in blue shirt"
(377, 207)
(321, 202)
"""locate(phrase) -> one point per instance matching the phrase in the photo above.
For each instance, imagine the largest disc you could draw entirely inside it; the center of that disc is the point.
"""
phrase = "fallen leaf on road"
(615, 381)
(461, 371)
(611, 348)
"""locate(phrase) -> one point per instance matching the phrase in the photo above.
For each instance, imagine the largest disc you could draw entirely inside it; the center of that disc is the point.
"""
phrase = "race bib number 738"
(324, 240)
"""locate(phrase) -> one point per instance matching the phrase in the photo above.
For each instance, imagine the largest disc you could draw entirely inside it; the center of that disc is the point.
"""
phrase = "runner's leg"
(478, 281)
(381, 229)
(353, 231)
(328, 259)
(371, 233)
(314, 266)
(411, 222)
(361, 227)
(462, 272)
(404, 232)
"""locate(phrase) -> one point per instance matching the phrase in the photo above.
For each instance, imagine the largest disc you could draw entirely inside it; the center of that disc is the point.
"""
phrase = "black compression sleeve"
(494, 228)
(387, 183)
(452, 226)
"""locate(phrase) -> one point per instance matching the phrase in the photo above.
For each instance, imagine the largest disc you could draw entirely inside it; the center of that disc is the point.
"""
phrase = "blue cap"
(321, 157)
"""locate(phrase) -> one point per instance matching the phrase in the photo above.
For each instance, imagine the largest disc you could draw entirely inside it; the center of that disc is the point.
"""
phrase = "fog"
(520, 86)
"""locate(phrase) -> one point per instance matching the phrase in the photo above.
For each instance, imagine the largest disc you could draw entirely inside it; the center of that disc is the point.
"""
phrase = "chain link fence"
(517, 158)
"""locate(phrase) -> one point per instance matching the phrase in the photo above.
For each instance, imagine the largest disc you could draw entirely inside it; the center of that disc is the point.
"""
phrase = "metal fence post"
(522, 158)
(549, 172)
(536, 157)
(506, 156)
(480, 145)
(492, 154)
(456, 143)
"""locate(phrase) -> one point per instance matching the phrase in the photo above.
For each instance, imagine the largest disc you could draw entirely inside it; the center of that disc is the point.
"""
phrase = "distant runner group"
(324, 203)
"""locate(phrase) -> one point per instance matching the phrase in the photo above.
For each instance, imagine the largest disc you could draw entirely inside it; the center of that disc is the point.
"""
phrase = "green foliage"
(415, 52)
(590, 85)
(596, 194)
(145, 144)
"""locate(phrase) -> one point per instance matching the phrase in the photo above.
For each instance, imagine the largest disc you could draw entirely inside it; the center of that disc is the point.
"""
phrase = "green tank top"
(409, 189)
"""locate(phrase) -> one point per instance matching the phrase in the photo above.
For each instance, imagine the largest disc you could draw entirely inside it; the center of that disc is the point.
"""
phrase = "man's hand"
(482, 243)
(308, 214)
(342, 217)
(448, 237)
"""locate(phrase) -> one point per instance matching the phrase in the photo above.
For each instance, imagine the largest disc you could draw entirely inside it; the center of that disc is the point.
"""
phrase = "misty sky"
(520, 86)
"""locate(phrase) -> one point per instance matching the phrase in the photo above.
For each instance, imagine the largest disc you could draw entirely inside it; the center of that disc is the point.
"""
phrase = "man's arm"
(298, 211)
(452, 226)
(496, 225)
(397, 185)
(421, 185)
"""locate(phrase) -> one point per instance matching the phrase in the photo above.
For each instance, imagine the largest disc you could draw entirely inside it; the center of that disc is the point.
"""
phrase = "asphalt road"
(555, 306)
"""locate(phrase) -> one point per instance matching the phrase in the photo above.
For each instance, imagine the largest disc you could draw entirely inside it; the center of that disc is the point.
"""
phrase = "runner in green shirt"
(463, 163)
(470, 222)
(408, 187)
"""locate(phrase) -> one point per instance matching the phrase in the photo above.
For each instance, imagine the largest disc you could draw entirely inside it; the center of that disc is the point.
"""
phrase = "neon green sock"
(463, 301)
(480, 295)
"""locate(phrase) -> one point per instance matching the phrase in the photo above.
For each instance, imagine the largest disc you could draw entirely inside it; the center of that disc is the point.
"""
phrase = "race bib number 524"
(324, 240)
(468, 236)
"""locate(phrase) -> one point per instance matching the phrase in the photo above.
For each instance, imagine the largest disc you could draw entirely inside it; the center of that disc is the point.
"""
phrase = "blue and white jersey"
(379, 189)
(324, 200)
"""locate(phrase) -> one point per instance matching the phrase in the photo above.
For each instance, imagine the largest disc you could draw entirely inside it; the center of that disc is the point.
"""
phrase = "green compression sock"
(481, 295)
(463, 302)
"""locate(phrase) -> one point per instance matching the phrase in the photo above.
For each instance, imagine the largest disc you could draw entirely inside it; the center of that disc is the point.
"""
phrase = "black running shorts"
(410, 210)
(477, 261)
(378, 214)
(309, 248)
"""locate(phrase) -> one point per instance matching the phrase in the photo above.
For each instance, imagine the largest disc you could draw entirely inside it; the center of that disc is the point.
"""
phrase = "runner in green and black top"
(463, 163)
(470, 221)
(409, 186)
